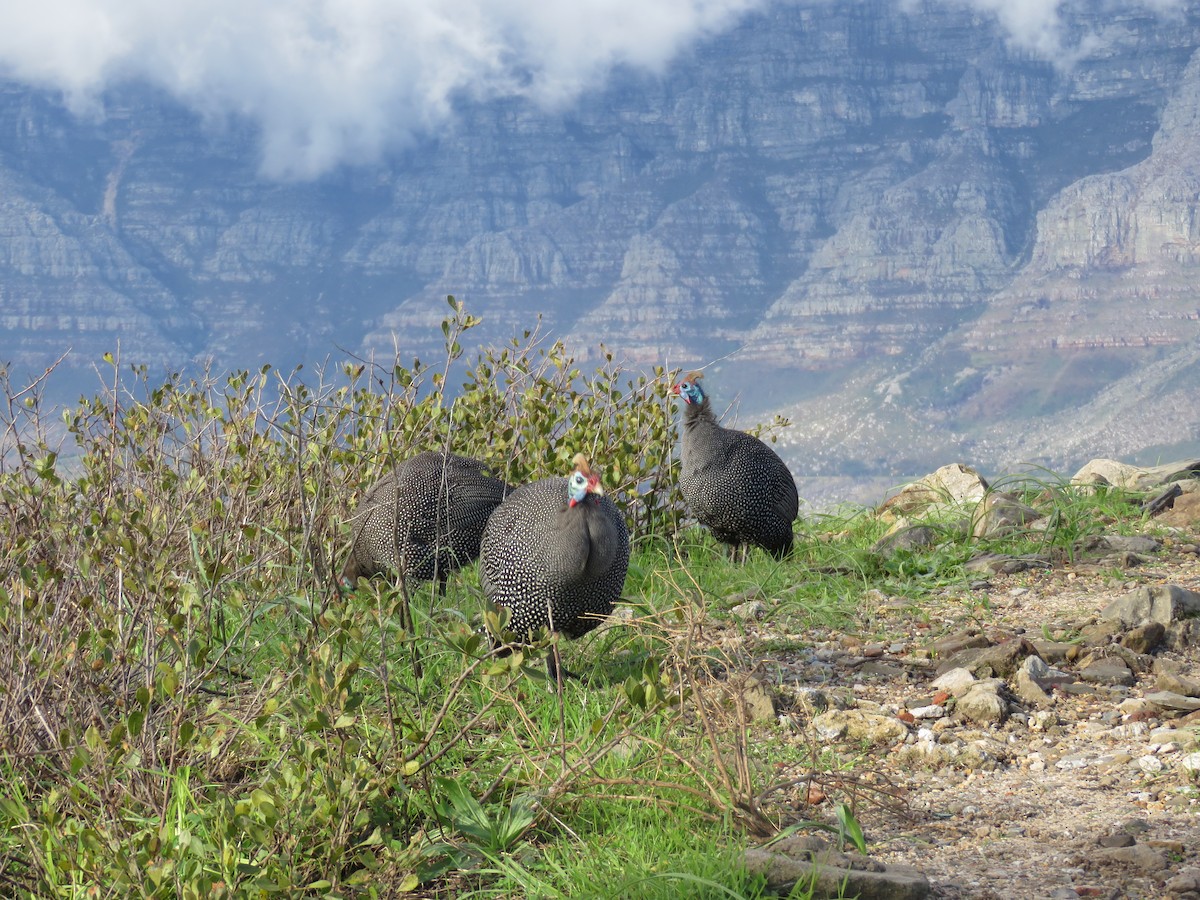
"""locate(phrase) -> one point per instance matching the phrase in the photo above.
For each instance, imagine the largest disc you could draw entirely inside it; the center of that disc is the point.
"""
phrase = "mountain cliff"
(909, 234)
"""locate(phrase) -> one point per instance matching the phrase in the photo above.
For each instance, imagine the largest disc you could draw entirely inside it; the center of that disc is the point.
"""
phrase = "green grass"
(629, 851)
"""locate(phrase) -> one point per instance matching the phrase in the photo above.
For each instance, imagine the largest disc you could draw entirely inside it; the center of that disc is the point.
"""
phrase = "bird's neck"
(698, 414)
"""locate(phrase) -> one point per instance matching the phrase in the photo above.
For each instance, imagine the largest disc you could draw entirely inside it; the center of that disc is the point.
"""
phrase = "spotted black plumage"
(732, 482)
(425, 518)
(555, 554)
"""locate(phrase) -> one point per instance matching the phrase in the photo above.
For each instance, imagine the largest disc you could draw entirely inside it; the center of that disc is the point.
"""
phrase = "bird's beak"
(675, 390)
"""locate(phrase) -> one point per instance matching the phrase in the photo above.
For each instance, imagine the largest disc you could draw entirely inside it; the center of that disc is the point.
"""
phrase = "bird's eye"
(578, 480)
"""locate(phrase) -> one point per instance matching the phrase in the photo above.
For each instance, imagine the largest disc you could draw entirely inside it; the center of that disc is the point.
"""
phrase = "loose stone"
(1150, 764)
(1178, 684)
(1159, 603)
(933, 711)
(954, 681)
(1171, 700)
(1107, 670)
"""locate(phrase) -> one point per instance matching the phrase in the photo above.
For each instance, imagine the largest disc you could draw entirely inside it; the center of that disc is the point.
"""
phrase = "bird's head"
(689, 389)
(583, 481)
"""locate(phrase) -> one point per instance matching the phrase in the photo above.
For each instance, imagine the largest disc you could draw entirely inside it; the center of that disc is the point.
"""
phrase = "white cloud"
(1036, 26)
(332, 81)
(1033, 24)
(341, 80)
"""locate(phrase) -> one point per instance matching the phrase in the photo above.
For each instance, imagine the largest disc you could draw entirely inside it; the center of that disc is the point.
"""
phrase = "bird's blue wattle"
(692, 393)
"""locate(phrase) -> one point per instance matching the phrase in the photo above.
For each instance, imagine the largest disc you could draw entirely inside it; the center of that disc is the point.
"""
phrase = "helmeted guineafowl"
(424, 518)
(555, 554)
(732, 482)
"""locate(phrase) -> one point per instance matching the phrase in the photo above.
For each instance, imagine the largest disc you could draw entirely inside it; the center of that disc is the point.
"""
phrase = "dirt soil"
(1091, 794)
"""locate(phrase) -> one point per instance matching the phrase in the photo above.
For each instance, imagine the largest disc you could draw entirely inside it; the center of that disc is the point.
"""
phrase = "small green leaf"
(408, 883)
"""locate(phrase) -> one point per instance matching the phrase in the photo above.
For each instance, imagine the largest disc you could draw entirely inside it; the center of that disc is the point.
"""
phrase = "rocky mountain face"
(885, 220)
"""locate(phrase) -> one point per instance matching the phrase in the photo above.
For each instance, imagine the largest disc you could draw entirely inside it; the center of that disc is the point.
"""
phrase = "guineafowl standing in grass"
(555, 553)
(732, 482)
(424, 519)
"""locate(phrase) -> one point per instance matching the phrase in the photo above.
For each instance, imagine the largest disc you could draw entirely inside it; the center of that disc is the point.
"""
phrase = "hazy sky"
(329, 81)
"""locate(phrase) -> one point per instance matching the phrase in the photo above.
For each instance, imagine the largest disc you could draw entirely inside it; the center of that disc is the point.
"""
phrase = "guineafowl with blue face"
(733, 483)
(555, 553)
(424, 519)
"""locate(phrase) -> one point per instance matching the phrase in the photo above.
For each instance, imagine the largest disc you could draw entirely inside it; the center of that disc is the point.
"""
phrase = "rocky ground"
(1034, 734)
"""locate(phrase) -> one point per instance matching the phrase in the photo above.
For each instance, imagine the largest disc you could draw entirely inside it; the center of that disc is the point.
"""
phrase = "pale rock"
(1184, 883)
(1133, 478)
(999, 514)
(1184, 738)
(1107, 472)
(1156, 603)
(857, 725)
(983, 703)
(933, 711)
(751, 609)
(1029, 689)
(1042, 720)
(1121, 543)
(1130, 730)
(1172, 701)
(1151, 765)
(1181, 469)
(1185, 513)
(1134, 706)
(1179, 684)
(947, 488)
(954, 682)
(758, 700)
(824, 872)
(1139, 856)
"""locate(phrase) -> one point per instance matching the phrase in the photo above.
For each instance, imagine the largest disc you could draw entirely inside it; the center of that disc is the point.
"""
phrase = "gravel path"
(1091, 793)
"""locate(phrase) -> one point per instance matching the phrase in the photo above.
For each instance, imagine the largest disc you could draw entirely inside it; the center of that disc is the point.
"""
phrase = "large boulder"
(1135, 478)
(946, 489)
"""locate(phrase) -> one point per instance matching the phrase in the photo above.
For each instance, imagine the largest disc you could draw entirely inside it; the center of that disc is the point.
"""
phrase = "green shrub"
(181, 684)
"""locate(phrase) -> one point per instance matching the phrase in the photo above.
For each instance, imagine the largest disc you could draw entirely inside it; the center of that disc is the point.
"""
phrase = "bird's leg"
(555, 670)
